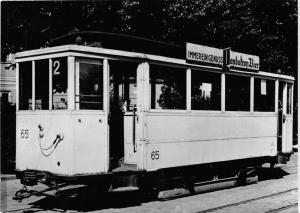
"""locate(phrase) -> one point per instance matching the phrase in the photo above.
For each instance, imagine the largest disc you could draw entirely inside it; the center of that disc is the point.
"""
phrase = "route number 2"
(24, 133)
(155, 155)
(56, 66)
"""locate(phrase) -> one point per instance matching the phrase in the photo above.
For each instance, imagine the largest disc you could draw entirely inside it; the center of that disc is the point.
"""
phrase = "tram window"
(264, 95)
(206, 91)
(289, 99)
(59, 83)
(90, 86)
(168, 87)
(25, 85)
(237, 93)
(42, 84)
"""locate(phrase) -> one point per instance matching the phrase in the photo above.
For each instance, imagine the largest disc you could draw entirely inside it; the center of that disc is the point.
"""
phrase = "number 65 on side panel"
(155, 155)
(24, 133)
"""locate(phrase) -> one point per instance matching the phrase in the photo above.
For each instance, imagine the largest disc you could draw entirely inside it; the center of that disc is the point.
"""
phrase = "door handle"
(108, 118)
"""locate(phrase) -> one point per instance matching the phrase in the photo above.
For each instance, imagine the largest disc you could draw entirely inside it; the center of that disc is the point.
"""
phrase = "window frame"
(251, 91)
(87, 60)
(33, 61)
(69, 82)
(74, 51)
(18, 86)
(275, 99)
(289, 98)
(190, 87)
(49, 81)
(187, 87)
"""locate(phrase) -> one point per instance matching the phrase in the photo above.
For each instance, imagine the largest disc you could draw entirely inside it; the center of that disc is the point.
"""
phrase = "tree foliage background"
(267, 28)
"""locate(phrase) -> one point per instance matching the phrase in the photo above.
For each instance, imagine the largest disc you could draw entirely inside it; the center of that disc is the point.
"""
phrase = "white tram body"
(59, 135)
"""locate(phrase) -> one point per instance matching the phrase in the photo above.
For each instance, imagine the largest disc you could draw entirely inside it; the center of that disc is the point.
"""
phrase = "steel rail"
(283, 208)
(246, 201)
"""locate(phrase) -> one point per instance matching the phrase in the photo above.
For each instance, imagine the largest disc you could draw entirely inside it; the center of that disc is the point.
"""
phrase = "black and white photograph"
(129, 106)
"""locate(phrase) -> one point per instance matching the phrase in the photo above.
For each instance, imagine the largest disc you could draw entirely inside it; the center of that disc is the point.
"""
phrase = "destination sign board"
(200, 53)
(211, 55)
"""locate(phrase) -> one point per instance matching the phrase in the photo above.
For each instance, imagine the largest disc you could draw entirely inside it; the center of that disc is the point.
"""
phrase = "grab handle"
(133, 128)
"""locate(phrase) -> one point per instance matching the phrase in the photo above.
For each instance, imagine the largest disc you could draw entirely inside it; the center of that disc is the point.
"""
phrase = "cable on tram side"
(57, 140)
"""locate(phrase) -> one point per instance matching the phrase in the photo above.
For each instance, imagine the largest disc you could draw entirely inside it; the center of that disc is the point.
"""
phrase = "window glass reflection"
(90, 86)
(206, 91)
(168, 87)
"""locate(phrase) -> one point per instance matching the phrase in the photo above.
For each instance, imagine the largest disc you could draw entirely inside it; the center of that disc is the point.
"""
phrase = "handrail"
(133, 128)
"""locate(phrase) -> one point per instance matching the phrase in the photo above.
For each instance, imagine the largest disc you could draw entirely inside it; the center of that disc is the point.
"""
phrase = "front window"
(289, 99)
(42, 84)
(59, 83)
(168, 87)
(237, 93)
(90, 86)
(25, 85)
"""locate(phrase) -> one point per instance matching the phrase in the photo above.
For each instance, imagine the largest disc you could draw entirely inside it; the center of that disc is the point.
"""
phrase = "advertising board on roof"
(200, 53)
(244, 61)
(214, 56)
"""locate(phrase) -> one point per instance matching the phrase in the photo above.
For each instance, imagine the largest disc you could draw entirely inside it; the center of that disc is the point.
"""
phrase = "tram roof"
(98, 52)
(120, 42)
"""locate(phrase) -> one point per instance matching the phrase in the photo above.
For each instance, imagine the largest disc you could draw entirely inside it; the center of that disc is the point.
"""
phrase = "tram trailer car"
(95, 115)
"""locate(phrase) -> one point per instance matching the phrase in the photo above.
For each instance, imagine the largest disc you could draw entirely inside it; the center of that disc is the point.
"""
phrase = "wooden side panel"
(287, 135)
(81, 150)
(183, 139)
(35, 149)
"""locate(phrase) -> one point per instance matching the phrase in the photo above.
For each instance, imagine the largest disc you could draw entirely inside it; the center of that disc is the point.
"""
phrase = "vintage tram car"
(114, 110)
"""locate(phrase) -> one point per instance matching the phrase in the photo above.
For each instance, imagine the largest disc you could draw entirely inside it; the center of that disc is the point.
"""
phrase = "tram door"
(122, 118)
(91, 115)
(285, 118)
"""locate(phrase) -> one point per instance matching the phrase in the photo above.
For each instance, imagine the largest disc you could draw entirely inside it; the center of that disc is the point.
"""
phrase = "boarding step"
(125, 189)
(122, 179)
(125, 168)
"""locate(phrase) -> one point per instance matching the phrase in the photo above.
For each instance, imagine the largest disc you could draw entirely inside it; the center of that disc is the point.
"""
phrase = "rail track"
(215, 209)
(293, 205)
(283, 208)
(255, 199)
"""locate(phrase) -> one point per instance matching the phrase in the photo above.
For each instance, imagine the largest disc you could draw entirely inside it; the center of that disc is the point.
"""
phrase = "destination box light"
(211, 55)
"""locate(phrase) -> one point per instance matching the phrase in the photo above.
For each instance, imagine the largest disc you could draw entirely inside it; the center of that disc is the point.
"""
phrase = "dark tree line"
(267, 28)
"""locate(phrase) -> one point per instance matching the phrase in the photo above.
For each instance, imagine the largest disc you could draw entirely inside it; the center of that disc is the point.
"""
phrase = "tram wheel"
(93, 192)
(147, 189)
(149, 194)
